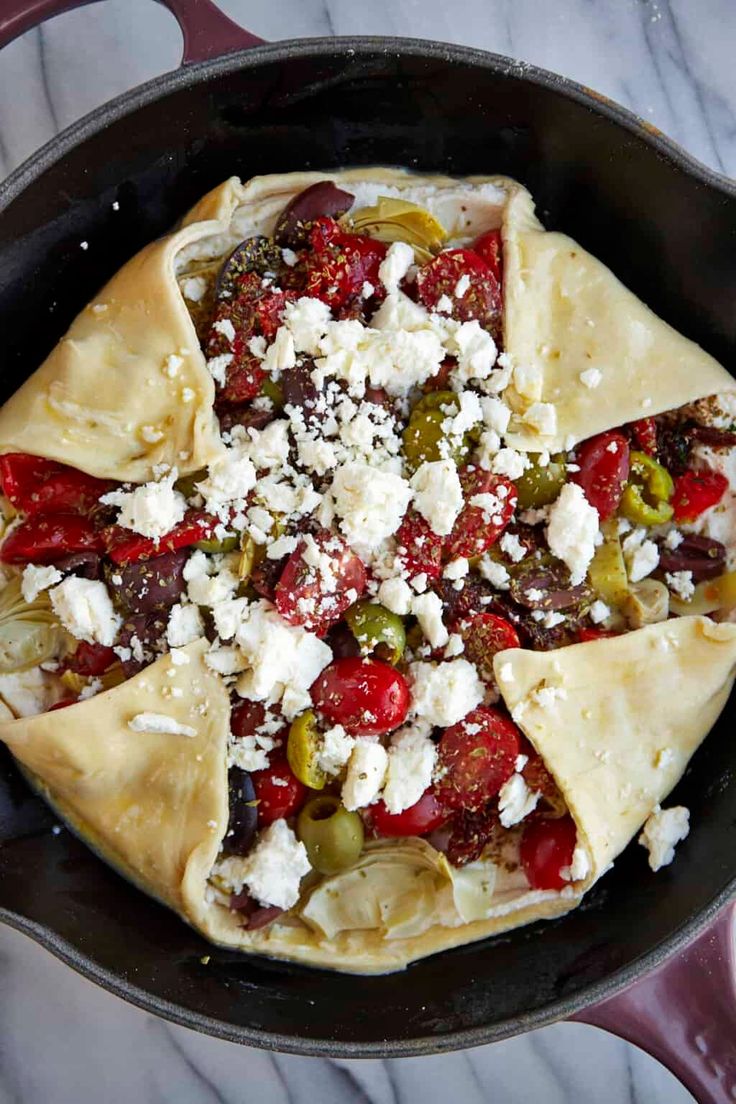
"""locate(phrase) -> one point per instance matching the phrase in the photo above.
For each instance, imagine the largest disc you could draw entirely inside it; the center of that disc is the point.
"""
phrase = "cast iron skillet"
(667, 226)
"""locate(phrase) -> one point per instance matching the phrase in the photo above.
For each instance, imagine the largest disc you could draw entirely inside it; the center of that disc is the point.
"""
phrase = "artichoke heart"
(394, 220)
(29, 631)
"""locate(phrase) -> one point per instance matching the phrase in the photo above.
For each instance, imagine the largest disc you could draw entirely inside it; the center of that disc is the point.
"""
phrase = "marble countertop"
(63, 1040)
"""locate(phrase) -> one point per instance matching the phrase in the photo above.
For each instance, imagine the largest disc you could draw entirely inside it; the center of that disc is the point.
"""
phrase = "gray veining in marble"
(62, 1040)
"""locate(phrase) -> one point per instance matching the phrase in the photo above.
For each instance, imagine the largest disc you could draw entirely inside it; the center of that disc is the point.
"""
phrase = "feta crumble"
(185, 625)
(411, 762)
(664, 829)
(152, 509)
(515, 800)
(438, 495)
(272, 871)
(366, 772)
(37, 579)
(572, 530)
(369, 503)
(396, 595)
(85, 610)
(445, 693)
(427, 608)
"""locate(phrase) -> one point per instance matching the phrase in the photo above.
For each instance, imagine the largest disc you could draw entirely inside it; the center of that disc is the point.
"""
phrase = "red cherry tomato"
(63, 704)
(419, 819)
(604, 468)
(481, 301)
(484, 635)
(90, 659)
(477, 756)
(315, 595)
(419, 547)
(479, 526)
(340, 263)
(35, 485)
(535, 773)
(367, 697)
(546, 847)
(696, 492)
(125, 547)
(644, 435)
(471, 831)
(278, 792)
(45, 538)
(587, 633)
(489, 247)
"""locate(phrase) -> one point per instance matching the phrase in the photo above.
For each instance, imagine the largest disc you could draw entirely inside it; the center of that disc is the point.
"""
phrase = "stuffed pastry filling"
(363, 548)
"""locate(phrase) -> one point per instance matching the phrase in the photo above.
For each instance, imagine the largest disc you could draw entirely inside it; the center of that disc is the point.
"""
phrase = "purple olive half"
(87, 565)
(243, 822)
(319, 199)
(257, 254)
(150, 585)
(145, 635)
(705, 557)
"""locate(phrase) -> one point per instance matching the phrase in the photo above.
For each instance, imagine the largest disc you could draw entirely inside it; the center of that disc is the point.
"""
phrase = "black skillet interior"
(665, 231)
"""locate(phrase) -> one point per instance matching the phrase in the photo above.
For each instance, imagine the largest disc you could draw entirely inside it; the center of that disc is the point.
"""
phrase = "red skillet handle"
(207, 31)
(684, 1013)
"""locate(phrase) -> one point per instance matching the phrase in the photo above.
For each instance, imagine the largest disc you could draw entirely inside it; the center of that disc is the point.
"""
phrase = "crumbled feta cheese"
(515, 800)
(229, 479)
(366, 772)
(512, 547)
(225, 327)
(160, 724)
(37, 579)
(673, 539)
(85, 610)
(509, 462)
(496, 414)
(664, 829)
(681, 582)
(572, 531)
(194, 288)
(444, 305)
(337, 747)
(438, 495)
(578, 868)
(642, 560)
(282, 661)
(599, 611)
(462, 286)
(455, 646)
(152, 509)
(218, 367)
(284, 546)
(395, 594)
(272, 871)
(307, 320)
(444, 693)
(427, 608)
(542, 417)
(494, 572)
(475, 350)
(591, 377)
(280, 354)
(185, 625)
(209, 580)
(369, 503)
(395, 265)
(289, 257)
(551, 618)
(411, 762)
(456, 569)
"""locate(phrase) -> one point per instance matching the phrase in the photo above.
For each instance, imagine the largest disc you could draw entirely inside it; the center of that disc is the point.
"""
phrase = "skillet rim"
(54, 150)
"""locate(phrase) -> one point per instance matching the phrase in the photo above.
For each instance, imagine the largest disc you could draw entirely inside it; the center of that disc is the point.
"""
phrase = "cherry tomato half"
(340, 263)
(479, 526)
(367, 697)
(278, 792)
(35, 485)
(247, 717)
(126, 547)
(546, 847)
(315, 594)
(90, 659)
(46, 538)
(484, 635)
(489, 247)
(419, 547)
(419, 819)
(696, 492)
(482, 299)
(587, 633)
(604, 468)
(477, 755)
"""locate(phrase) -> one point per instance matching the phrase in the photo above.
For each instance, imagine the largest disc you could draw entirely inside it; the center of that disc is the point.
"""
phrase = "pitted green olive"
(332, 836)
(426, 440)
(377, 630)
(540, 484)
(213, 546)
(186, 484)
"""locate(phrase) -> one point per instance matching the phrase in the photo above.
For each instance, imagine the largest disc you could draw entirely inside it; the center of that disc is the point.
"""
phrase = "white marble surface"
(63, 1041)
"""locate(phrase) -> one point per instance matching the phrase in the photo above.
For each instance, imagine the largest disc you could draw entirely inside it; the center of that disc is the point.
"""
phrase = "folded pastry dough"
(156, 804)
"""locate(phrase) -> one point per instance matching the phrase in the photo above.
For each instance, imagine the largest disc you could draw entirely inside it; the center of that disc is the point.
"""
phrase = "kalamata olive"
(674, 445)
(145, 635)
(148, 585)
(299, 388)
(711, 435)
(266, 575)
(323, 198)
(703, 556)
(243, 822)
(244, 415)
(254, 915)
(342, 641)
(257, 254)
(87, 565)
(378, 396)
(475, 596)
(547, 588)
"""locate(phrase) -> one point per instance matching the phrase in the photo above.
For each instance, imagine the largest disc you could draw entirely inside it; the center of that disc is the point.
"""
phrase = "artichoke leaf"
(392, 220)
(29, 632)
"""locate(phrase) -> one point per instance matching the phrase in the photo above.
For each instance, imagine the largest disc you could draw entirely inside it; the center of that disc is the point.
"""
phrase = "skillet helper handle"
(207, 32)
(684, 1013)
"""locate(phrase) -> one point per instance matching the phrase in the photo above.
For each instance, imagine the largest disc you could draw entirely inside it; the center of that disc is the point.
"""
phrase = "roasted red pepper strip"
(90, 659)
(46, 538)
(36, 486)
(697, 491)
(124, 547)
